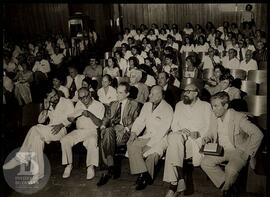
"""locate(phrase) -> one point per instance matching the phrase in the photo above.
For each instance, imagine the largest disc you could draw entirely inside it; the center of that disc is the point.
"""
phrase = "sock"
(173, 186)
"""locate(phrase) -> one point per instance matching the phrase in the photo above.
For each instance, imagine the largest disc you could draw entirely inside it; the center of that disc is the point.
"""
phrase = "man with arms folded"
(239, 138)
(190, 122)
(145, 151)
(56, 110)
(88, 115)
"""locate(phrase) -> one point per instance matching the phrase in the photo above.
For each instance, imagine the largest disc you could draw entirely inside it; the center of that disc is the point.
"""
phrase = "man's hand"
(71, 119)
(205, 140)
(86, 113)
(186, 132)
(132, 137)
(57, 128)
(46, 103)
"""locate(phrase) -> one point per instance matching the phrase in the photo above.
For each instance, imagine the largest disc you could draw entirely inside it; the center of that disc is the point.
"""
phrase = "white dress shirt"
(207, 62)
(251, 65)
(233, 63)
(109, 97)
(223, 132)
(64, 90)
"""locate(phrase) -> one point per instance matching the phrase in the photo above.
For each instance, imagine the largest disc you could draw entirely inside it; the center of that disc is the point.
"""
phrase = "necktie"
(240, 55)
(117, 118)
(72, 89)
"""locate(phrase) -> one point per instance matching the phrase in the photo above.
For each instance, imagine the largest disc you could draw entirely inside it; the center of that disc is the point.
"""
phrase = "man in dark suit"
(115, 129)
(172, 93)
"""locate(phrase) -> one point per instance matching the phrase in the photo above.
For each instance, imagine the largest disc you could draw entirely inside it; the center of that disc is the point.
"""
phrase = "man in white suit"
(191, 121)
(88, 116)
(145, 151)
(237, 135)
(74, 81)
(56, 109)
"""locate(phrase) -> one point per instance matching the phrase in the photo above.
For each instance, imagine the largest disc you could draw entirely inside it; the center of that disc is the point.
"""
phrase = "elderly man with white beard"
(190, 122)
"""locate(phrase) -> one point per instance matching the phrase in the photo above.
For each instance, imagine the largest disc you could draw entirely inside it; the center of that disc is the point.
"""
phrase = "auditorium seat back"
(249, 87)
(238, 73)
(258, 76)
(257, 104)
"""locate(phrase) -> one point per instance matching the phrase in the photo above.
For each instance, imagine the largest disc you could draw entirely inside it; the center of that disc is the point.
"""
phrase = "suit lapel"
(126, 109)
(231, 127)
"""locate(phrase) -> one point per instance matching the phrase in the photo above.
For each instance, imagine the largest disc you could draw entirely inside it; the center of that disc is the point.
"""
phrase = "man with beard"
(191, 121)
(56, 110)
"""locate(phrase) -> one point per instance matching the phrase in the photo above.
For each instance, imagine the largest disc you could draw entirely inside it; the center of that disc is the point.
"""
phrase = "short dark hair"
(126, 84)
(223, 96)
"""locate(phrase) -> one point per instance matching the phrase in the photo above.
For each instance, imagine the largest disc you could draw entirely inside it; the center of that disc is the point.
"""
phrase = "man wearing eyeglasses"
(190, 122)
(56, 110)
(87, 115)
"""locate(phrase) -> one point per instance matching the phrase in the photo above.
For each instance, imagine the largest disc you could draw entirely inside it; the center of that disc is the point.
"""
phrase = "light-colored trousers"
(89, 139)
(237, 159)
(34, 142)
(138, 164)
(179, 148)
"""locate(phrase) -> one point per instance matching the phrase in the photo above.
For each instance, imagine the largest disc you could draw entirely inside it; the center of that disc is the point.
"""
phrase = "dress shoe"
(142, 183)
(104, 179)
(90, 172)
(11, 164)
(67, 171)
(143, 180)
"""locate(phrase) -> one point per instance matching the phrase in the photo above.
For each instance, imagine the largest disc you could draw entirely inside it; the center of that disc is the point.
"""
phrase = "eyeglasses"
(188, 91)
(83, 97)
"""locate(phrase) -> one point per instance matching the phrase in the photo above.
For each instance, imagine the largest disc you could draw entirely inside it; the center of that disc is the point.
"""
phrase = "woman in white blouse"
(123, 63)
(107, 94)
(187, 46)
(112, 68)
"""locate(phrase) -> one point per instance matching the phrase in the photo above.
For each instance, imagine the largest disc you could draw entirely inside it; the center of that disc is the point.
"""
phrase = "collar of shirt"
(165, 87)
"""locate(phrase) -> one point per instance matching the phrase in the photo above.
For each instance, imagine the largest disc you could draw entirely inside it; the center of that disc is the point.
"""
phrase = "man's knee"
(175, 138)
(206, 163)
(232, 170)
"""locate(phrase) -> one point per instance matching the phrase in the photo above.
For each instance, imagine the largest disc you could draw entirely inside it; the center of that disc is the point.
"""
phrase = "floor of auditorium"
(77, 185)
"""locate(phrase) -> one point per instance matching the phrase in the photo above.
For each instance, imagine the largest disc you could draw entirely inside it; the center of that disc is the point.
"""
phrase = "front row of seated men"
(146, 132)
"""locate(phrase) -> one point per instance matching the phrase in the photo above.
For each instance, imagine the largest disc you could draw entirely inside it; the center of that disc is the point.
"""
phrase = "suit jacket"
(130, 113)
(243, 134)
(156, 124)
(172, 95)
(143, 93)
(78, 81)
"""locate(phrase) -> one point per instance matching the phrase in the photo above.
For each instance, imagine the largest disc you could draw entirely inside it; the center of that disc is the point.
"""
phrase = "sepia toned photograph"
(134, 100)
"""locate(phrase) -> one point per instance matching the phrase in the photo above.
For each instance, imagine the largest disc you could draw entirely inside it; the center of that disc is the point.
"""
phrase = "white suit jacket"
(157, 125)
(78, 81)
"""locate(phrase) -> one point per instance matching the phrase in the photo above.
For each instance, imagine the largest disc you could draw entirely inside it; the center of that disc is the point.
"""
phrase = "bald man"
(145, 151)
(191, 121)
(88, 115)
(248, 63)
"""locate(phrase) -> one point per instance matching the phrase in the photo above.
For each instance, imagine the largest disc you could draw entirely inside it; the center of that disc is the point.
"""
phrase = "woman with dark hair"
(188, 30)
(191, 70)
(219, 70)
(208, 27)
(123, 64)
(133, 62)
(167, 28)
(112, 68)
(163, 34)
(146, 46)
(201, 46)
(187, 45)
(107, 94)
(125, 49)
(247, 17)
(127, 34)
(139, 36)
(199, 31)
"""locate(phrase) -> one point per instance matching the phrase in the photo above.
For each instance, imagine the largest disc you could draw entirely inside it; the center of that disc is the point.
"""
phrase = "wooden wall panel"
(183, 13)
(31, 19)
